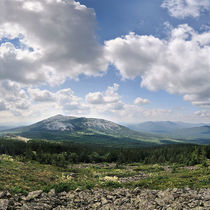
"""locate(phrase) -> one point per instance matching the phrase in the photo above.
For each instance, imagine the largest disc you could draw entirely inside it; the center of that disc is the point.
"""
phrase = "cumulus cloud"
(141, 101)
(110, 96)
(56, 40)
(38, 95)
(21, 104)
(14, 96)
(184, 8)
(64, 98)
(109, 105)
(95, 98)
(133, 54)
(203, 114)
(135, 114)
(179, 64)
(2, 106)
(69, 101)
(16, 100)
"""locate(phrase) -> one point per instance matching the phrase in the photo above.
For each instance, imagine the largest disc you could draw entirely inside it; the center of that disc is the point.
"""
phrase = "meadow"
(22, 177)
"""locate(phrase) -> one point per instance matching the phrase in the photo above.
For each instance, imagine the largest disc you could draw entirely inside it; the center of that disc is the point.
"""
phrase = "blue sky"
(146, 17)
(80, 58)
(118, 18)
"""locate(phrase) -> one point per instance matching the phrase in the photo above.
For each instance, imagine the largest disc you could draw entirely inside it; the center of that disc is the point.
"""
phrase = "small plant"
(174, 170)
(47, 188)
(18, 189)
(65, 186)
(88, 185)
(205, 164)
(111, 184)
(119, 166)
(111, 178)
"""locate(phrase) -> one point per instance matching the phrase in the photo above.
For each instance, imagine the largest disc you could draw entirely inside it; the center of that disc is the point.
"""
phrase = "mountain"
(186, 132)
(70, 124)
(161, 127)
(103, 132)
(85, 130)
(199, 134)
(2, 128)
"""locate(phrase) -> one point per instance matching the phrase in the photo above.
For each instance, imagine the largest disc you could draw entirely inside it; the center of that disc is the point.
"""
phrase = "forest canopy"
(63, 153)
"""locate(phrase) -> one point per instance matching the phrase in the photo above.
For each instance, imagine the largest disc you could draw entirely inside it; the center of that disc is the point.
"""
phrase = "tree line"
(63, 153)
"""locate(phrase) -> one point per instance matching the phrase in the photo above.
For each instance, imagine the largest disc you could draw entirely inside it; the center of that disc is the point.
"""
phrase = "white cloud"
(57, 40)
(141, 101)
(184, 8)
(95, 98)
(34, 6)
(38, 95)
(2, 106)
(14, 96)
(68, 101)
(133, 54)
(20, 104)
(203, 114)
(63, 98)
(179, 64)
(110, 96)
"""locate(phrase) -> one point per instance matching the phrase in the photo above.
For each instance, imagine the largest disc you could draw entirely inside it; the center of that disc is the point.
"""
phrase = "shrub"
(18, 189)
(111, 184)
(65, 186)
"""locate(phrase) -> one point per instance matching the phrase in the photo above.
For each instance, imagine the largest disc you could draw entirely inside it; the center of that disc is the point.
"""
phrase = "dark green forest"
(64, 153)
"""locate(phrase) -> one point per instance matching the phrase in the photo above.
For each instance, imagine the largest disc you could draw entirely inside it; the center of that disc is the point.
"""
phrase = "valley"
(82, 163)
(104, 105)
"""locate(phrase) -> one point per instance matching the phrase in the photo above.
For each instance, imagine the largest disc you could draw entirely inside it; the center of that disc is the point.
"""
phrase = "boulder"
(3, 194)
(33, 195)
(51, 193)
(4, 204)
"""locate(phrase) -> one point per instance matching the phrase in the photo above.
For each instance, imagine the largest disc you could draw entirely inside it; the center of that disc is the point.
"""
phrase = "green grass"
(199, 178)
(19, 177)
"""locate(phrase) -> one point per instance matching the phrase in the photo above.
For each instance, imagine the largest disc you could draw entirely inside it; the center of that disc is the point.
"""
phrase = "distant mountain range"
(2, 128)
(161, 126)
(199, 133)
(103, 132)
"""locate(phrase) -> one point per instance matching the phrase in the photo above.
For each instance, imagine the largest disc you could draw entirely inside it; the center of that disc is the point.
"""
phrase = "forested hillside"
(61, 153)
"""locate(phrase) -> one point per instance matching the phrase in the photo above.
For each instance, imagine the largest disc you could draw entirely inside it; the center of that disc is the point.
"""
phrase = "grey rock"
(51, 193)
(110, 197)
(103, 201)
(206, 204)
(70, 195)
(207, 197)
(63, 194)
(117, 199)
(96, 205)
(8, 194)
(4, 204)
(136, 191)
(3, 194)
(33, 195)
(78, 190)
(160, 201)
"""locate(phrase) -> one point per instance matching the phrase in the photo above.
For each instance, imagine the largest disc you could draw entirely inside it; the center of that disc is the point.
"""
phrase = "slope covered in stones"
(120, 199)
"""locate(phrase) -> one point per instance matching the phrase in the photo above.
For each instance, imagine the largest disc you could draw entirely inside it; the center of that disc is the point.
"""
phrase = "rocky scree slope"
(103, 199)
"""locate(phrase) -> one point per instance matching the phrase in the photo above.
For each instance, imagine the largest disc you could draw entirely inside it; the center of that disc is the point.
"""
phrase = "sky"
(127, 61)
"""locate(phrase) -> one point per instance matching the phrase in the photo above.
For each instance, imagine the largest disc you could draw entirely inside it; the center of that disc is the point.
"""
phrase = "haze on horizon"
(124, 61)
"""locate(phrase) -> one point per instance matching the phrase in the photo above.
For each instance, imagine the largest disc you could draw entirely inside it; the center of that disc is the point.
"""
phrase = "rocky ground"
(104, 199)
